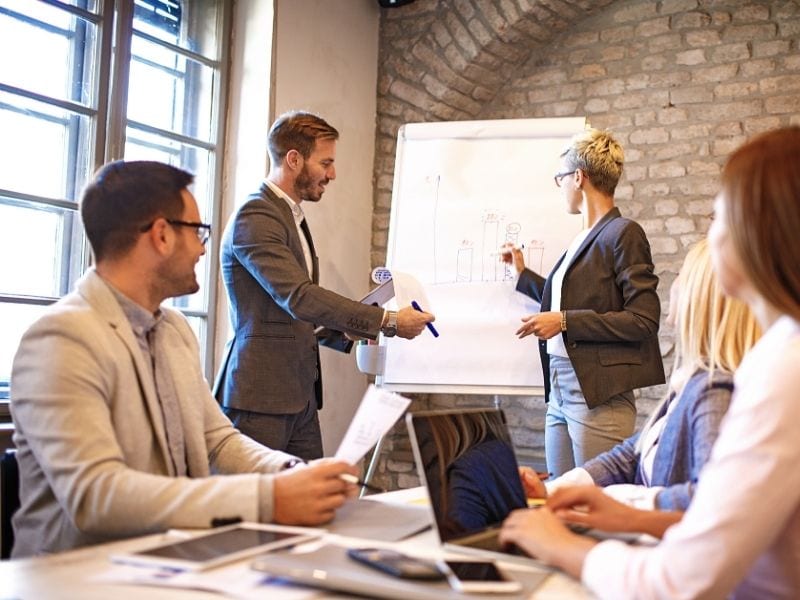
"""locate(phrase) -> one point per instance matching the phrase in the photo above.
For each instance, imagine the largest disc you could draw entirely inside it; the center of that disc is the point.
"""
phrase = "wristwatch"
(292, 463)
(389, 328)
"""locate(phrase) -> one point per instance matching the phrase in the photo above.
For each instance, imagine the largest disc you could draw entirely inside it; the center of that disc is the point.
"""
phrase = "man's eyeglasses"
(558, 177)
(202, 230)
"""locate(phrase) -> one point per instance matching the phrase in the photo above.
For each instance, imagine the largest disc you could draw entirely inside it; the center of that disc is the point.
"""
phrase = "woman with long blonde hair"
(659, 467)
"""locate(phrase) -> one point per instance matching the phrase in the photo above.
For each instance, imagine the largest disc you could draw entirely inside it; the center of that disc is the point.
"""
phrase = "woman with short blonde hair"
(599, 312)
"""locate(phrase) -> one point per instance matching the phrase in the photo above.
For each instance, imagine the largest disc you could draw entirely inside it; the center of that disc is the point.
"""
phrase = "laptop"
(466, 461)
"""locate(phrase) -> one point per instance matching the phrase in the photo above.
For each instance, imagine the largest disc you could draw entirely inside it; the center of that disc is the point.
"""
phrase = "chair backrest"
(9, 500)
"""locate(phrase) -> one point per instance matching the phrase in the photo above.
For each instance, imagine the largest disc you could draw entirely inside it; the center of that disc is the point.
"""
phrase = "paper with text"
(378, 412)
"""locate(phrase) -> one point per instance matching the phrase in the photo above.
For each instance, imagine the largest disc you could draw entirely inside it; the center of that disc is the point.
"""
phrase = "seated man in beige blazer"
(117, 432)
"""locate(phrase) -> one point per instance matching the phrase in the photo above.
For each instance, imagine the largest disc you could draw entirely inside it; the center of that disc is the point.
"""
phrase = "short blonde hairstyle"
(599, 156)
(715, 331)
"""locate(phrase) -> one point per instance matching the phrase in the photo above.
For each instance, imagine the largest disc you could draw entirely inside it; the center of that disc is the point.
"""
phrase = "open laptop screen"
(467, 462)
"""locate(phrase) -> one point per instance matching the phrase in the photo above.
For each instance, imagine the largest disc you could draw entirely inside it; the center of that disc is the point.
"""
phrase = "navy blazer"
(271, 365)
(613, 311)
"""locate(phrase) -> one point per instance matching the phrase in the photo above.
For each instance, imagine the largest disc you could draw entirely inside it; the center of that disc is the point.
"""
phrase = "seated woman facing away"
(659, 467)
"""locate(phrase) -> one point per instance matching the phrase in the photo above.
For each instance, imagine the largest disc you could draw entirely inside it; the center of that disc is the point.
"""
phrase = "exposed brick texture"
(681, 82)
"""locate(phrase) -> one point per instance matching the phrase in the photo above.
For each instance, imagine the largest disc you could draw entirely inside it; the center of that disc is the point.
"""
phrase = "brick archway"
(443, 60)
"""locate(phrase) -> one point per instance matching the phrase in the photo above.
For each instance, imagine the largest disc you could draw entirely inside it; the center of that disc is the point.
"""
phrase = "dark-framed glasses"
(558, 177)
(202, 230)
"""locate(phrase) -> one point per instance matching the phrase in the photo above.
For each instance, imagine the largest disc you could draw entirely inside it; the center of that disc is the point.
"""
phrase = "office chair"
(9, 500)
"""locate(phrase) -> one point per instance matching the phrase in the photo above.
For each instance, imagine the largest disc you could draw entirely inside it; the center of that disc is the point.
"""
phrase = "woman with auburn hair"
(740, 536)
(659, 467)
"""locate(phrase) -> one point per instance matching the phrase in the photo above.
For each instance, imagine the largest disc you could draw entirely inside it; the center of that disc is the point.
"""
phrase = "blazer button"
(573, 344)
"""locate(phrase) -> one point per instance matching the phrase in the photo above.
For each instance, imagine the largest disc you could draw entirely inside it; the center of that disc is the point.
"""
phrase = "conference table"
(89, 574)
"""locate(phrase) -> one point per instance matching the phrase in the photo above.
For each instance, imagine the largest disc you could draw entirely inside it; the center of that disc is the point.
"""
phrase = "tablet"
(219, 546)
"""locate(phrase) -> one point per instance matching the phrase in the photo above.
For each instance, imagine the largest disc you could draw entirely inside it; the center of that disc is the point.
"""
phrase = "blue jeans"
(297, 434)
(573, 432)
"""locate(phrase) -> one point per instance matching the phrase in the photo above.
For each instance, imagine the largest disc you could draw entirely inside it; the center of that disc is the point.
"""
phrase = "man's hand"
(543, 325)
(310, 494)
(533, 483)
(411, 322)
(513, 256)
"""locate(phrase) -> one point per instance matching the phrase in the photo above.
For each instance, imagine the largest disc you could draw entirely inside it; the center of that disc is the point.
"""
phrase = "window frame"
(114, 20)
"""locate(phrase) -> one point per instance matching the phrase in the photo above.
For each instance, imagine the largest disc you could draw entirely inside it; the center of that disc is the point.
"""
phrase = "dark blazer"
(613, 310)
(271, 365)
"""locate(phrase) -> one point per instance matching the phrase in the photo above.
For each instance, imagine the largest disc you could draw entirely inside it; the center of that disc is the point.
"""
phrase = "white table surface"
(73, 574)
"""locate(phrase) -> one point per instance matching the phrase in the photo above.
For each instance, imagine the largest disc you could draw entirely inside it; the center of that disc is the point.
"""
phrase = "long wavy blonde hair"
(714, 331)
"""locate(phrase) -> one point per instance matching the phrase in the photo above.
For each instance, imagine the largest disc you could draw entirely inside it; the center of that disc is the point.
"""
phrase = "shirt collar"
(142, 321)
(294, 206)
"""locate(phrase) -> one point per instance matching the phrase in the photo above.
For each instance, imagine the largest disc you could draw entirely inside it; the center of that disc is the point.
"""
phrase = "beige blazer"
(92, 449)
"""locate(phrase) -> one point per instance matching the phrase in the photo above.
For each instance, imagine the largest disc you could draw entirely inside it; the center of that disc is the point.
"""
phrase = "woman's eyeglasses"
(558, 177)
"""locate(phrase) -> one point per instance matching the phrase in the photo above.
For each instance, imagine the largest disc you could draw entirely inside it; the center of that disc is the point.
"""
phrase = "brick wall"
(680, 82)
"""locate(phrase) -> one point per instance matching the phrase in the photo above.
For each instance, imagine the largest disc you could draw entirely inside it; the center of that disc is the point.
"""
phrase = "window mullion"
(120, 76)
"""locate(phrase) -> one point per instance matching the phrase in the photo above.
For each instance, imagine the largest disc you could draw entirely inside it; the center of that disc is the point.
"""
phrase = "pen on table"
(356, 481)
(415, 305)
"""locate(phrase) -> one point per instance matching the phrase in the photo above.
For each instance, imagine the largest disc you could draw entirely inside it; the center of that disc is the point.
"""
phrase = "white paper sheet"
(377, 413)
(408, 289)
(453, 206)
(235, 581)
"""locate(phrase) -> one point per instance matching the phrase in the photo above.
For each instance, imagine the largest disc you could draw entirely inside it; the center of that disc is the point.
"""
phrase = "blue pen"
(415, 305)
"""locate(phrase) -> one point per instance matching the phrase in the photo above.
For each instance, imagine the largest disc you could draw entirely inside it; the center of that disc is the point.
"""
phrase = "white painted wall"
(325, 61)
(247, 124)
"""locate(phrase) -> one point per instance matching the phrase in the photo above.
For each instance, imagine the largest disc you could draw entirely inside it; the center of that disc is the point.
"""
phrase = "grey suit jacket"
(92, 448)
(271, 365)
(613, 311)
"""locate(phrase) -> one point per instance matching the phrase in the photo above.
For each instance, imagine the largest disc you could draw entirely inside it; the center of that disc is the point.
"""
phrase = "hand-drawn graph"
(494, 233)
(454, 204)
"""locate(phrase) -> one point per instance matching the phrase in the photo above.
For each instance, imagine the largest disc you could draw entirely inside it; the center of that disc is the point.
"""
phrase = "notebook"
(466, 461)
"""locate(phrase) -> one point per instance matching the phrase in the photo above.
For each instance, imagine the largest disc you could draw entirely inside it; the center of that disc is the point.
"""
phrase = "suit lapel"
(607, 218)
(296, 246)
(96, 293)
(314, 261)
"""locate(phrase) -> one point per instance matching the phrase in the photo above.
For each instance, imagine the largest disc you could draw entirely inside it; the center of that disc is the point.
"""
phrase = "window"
(83, 82)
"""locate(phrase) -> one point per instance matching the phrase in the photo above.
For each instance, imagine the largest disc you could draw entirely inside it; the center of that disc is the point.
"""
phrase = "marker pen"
(415, 305)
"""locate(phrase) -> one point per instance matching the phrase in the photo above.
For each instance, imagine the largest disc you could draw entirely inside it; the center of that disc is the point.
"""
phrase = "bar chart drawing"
(480, 261)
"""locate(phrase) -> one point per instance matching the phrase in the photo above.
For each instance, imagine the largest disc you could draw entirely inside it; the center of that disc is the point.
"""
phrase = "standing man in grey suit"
(270, 381)
(598, 324)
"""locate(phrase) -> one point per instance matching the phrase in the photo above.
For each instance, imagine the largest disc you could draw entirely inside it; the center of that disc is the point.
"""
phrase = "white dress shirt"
(297, 212)
(555, 345)
(741, 534)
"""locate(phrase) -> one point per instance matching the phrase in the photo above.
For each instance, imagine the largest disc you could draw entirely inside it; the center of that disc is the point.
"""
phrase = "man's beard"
(305, 188)
(176, 280)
